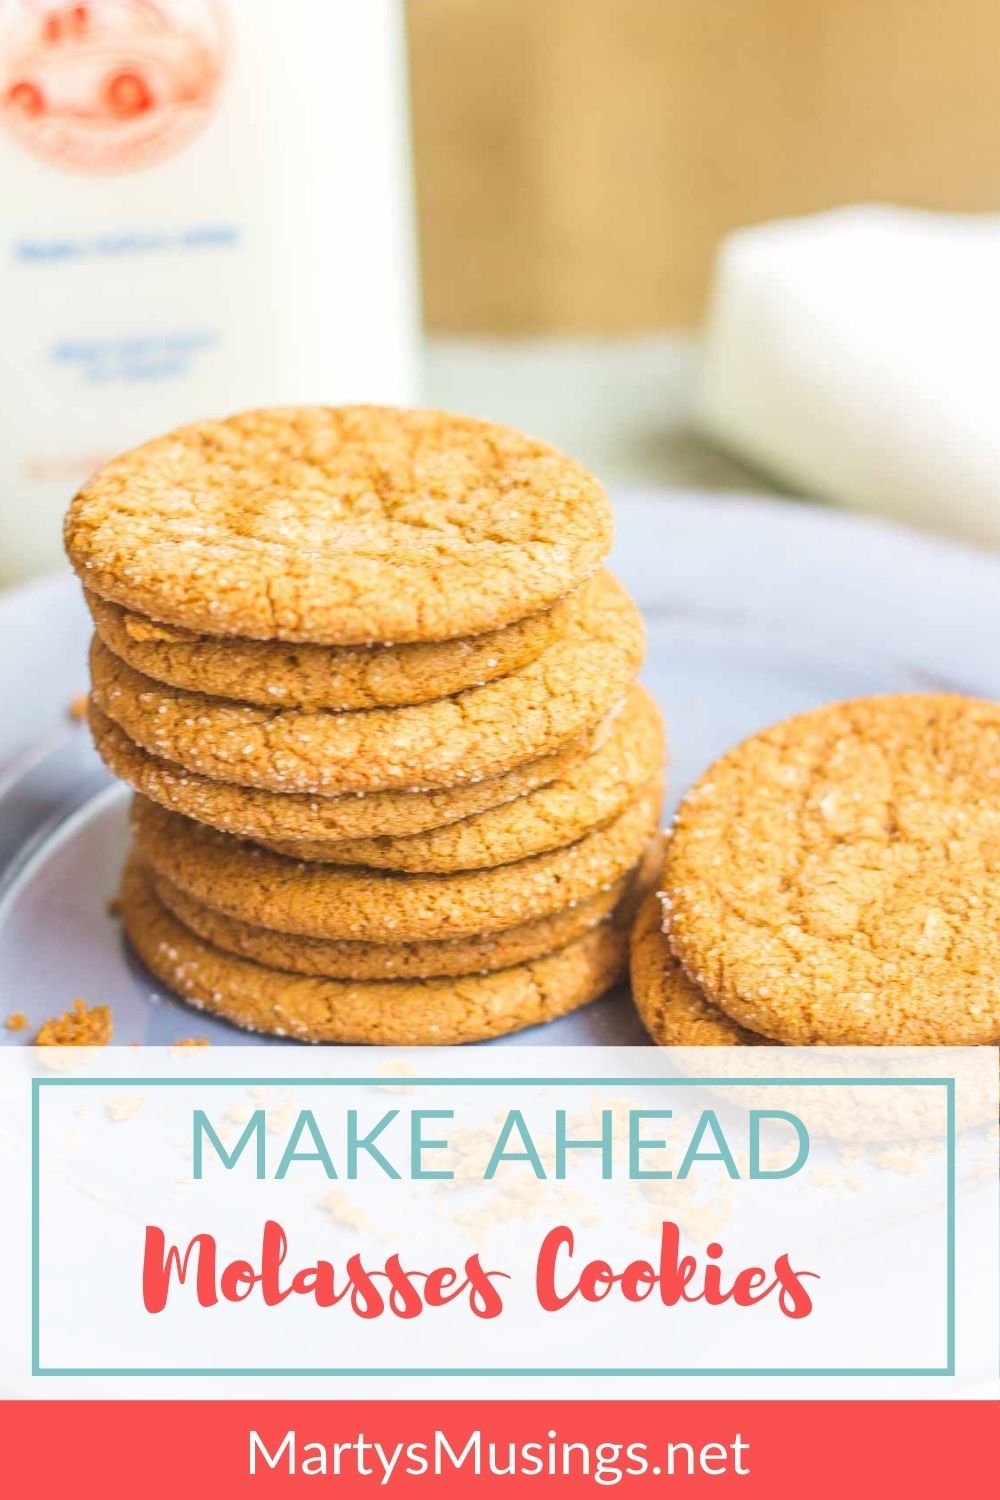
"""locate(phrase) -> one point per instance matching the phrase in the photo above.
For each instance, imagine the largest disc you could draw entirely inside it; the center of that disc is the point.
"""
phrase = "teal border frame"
(38, 1370)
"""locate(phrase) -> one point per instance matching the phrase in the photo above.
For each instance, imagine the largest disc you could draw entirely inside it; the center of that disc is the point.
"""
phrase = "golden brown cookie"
(276, 674)
(331, 959)
(389, 1012)
(836, 879)
(557, 814)
(428, 960)
(248, 812)
(476, 734)
(348, 903)
(673, 1010)
(676, 1014)
(339, 526)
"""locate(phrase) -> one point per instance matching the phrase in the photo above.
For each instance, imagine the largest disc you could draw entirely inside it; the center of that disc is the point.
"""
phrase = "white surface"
(856, 355)
(116, 1156)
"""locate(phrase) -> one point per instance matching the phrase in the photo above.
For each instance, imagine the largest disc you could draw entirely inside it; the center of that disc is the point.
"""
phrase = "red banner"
(770, 1450)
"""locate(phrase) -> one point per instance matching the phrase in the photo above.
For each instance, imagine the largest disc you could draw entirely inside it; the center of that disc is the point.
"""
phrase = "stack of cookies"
(834, 881)
(376, 694)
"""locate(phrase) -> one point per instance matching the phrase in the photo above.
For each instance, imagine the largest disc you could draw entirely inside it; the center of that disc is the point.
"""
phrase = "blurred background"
(579, 161)
(539, 211)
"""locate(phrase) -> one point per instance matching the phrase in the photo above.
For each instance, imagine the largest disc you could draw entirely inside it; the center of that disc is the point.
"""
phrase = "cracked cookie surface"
(390, 1012)
(673, 1010)
(476, 734)
(330, 959)
(836, 879)
(339, 526)
(251, 813)
(345, 902)
(557, 814)
(274, 674)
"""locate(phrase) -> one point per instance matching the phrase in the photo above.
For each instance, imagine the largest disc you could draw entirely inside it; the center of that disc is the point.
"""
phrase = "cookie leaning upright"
(381, 642)
(339, 526)
(836, 879)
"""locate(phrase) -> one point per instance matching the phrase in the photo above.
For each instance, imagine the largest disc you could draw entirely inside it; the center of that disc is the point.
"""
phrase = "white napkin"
(855, 355)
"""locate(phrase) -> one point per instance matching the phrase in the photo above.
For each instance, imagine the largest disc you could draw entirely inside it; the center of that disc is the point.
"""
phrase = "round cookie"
(673, 1010)
(331, 959)
(479, 954)
(340, 526)
(251, 813)
(389, 1012)
(676, 1014)
(557, 814)
(476, 734)
(275, 674)
(836, 879)
(343, 902)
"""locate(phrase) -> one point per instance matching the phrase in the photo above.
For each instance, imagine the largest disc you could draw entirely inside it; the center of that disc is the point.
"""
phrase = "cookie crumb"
(17, 1022)
(118, 1110)
(77, 708)
(192, 1041)
(345, 1214)
(83, 1026)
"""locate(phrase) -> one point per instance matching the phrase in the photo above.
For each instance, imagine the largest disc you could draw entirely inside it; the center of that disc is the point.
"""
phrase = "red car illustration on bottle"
(111, 84)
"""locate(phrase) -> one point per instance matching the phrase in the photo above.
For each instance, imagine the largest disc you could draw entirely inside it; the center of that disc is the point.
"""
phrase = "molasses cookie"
(251, 813)
(557, 814)
(357, 904)
(276, 674)
(390, 1012)
(330, 959)
(836, 879)
(673, 1010)
(339, 526)
(480, 954)
(476, 734)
